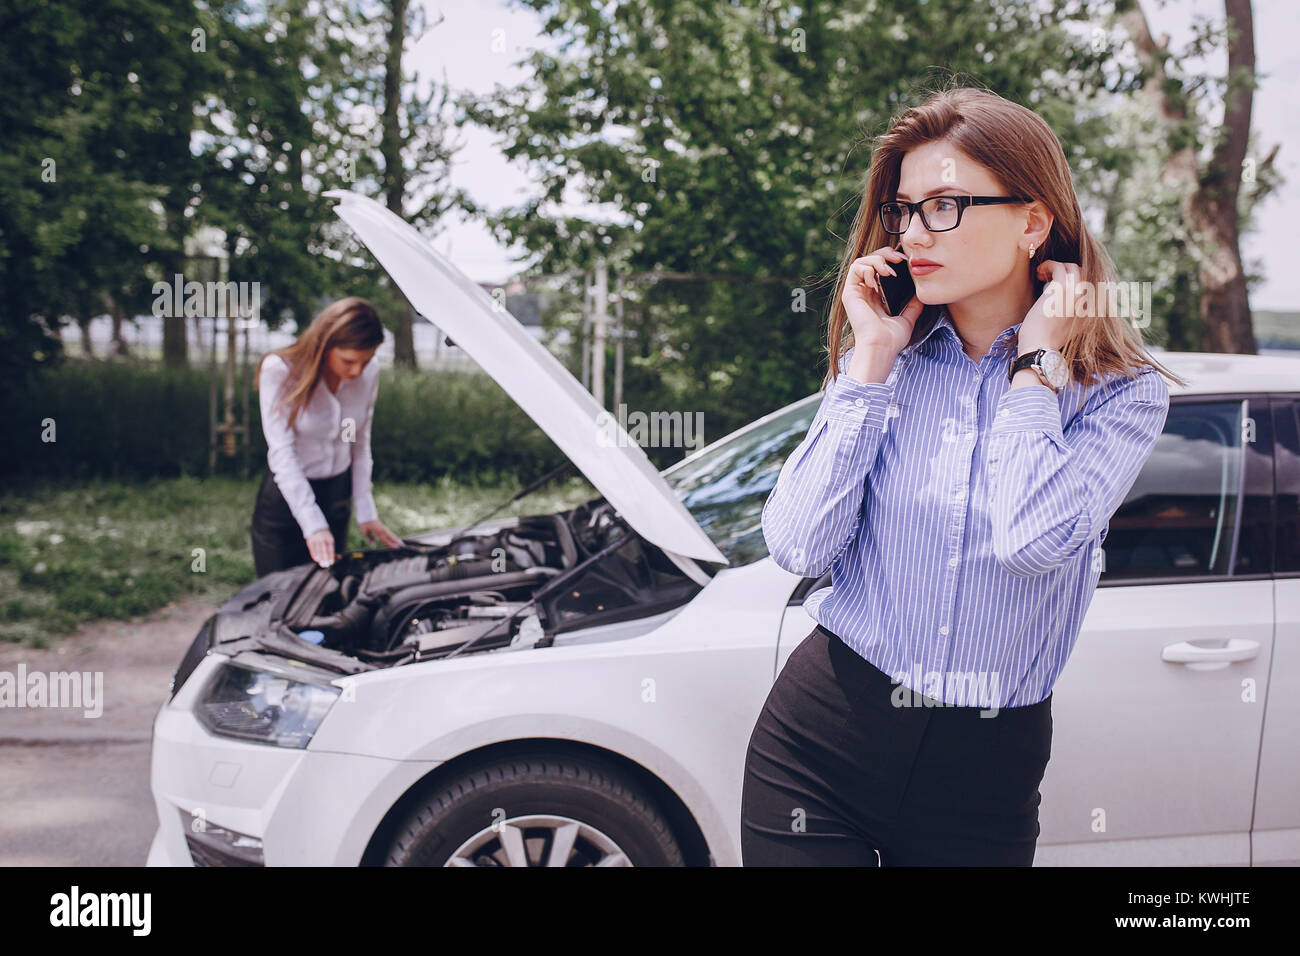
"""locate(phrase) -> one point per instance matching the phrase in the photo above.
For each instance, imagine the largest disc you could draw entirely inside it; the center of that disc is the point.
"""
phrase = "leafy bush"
(134, 421)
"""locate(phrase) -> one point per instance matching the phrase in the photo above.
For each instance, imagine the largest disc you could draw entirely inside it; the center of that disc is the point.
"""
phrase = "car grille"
(211, 845)
(205, 854)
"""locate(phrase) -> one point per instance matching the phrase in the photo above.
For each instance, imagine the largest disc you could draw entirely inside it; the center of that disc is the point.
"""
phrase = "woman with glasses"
(317, 399)
(957, 481)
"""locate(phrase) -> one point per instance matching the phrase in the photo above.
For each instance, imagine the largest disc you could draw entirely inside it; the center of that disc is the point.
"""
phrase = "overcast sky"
(462, 46)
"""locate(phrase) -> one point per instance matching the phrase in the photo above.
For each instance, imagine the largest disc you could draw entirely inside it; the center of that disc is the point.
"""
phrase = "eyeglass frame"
(914, 208)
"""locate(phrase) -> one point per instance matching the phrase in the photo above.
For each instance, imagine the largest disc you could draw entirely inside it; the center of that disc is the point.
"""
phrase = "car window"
(1181, 517)
(726, 485)
(1287, 449)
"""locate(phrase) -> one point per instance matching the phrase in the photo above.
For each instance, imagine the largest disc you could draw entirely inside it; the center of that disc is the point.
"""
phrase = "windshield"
(726, 485)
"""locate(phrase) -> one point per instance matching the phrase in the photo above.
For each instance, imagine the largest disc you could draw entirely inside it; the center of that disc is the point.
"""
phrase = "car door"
(1159, 712)
(1275, 837)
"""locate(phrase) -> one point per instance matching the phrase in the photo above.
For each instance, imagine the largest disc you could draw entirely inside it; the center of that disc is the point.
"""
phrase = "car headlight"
(269, 708)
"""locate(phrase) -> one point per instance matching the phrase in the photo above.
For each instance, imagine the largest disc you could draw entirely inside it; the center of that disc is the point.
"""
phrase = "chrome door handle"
(1190, 652)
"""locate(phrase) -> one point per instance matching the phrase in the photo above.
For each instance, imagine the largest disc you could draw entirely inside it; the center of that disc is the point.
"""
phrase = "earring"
(1032, 247)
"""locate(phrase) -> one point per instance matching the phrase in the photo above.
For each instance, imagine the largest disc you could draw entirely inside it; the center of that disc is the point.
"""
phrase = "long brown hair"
(1024, 155)
(350, 323)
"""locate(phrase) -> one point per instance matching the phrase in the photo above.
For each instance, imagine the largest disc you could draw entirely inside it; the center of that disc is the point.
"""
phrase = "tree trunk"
(394, 173)
(175, 338)
(83, 323)
(1180, 331)
(119, 348)
(1209, 199)
(404, 338)
(1225, 304)
(175, 342)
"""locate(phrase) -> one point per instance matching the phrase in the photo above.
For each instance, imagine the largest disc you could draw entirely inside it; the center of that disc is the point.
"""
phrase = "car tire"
(536, 810)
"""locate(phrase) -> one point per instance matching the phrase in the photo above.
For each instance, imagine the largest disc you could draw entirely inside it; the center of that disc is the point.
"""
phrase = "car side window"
(1287, 451)
(1183, 516)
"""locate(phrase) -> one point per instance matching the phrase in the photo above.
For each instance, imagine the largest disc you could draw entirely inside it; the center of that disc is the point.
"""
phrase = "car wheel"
(543, 810)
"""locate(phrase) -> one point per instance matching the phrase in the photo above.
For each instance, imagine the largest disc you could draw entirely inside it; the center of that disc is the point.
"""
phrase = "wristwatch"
(1049, 364)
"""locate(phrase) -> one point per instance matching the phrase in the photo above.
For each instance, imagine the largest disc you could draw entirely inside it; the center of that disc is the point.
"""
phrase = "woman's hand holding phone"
(878, 337)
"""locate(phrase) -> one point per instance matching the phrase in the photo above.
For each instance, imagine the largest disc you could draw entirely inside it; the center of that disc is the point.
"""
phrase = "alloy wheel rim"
(539, 840)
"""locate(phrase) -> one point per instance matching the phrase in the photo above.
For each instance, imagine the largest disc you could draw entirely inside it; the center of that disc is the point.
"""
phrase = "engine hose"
(353, 619)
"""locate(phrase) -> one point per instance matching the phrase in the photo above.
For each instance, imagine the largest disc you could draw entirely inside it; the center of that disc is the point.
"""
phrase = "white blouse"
(331, 431)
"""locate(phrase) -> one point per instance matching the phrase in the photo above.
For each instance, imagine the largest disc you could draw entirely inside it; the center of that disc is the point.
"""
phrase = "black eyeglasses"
(938, 213)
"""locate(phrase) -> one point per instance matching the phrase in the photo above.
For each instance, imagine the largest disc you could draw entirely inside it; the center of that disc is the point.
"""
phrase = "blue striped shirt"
(962, 520)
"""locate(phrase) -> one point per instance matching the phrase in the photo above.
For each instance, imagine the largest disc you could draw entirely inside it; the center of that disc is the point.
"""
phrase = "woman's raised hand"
(873, 327)
(1058, 314)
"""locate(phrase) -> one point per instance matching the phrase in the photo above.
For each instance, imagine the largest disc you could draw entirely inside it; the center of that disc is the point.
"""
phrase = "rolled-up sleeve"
(363, 499)
(813, 512)
(1052, 491)
(281, 457)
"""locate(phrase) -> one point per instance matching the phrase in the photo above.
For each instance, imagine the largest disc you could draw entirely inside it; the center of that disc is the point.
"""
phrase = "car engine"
(516, 587)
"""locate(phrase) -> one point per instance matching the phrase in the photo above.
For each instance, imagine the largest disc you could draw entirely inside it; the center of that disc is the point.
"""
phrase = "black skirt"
(838, 775)
(278, 541)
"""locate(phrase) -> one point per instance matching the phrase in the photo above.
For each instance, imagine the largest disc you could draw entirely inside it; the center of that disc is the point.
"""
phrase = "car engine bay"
(515, 587)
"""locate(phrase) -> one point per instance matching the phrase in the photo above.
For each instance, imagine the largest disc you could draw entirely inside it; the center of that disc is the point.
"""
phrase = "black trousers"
(278, 542)
(837, 775)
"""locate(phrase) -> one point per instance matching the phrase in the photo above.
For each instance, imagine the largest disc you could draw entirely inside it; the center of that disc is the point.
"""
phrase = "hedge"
(134, 421)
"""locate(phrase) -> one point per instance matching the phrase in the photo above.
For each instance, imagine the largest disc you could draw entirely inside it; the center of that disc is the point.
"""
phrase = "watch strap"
(1028, 360)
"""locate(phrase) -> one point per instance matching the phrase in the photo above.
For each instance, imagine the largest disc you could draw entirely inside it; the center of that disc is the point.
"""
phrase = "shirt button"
(952, 562)
(859, 402)
(944, 629)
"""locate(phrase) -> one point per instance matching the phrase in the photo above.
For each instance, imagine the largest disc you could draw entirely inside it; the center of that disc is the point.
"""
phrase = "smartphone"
(898, 290)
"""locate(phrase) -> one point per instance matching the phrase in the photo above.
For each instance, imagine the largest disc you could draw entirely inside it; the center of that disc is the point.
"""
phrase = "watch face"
(1053, 365)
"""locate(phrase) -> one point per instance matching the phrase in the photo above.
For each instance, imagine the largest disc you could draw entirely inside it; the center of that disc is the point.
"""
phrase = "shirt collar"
(944, 321)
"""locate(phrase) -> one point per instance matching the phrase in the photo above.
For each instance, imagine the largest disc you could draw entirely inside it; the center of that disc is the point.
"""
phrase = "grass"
(72, 554)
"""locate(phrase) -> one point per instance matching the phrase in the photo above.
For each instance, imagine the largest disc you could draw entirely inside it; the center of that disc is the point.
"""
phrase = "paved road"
(74, 790)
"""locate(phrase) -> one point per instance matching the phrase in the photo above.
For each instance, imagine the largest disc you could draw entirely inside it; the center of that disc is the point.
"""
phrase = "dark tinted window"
(1287, 449)
(1183, 517)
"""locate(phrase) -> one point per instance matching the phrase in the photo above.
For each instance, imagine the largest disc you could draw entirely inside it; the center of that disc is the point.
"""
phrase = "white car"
(579, 688)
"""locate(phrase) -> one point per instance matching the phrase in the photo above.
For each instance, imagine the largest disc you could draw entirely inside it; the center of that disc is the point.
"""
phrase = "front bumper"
(309, 808)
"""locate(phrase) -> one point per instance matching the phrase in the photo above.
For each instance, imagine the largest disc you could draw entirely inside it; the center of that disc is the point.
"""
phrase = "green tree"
(1197, 178)
(312, 99)
(729, 139)
(96, 159)
(416, 149)
(273, 137)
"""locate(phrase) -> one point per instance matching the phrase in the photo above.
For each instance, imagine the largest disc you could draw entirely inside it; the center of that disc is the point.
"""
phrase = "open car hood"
(530, 375)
